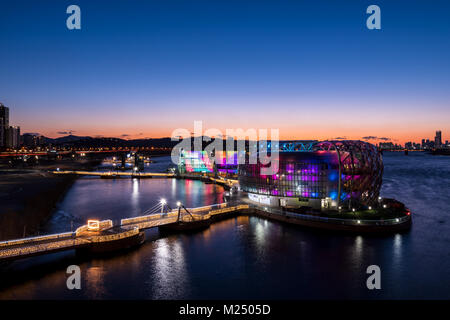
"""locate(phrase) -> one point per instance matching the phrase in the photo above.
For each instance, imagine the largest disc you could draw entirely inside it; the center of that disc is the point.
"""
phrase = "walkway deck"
(23, 248)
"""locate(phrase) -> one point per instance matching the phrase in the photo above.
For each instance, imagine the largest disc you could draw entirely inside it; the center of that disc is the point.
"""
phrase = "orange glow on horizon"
(395, 136)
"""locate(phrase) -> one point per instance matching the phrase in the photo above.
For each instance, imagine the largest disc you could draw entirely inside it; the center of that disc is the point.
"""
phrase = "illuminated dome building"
(321, 175)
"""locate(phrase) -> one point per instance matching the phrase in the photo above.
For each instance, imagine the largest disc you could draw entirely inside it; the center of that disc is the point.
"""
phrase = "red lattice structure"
(360, 171)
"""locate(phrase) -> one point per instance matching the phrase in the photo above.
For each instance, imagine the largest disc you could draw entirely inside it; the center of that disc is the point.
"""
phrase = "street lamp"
(178, 204)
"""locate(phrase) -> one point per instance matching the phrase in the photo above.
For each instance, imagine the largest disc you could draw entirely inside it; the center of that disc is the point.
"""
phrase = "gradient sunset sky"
(312, 69)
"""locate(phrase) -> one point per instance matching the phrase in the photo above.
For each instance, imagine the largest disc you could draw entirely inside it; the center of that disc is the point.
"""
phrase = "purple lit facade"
(333, 174)
(200, 162)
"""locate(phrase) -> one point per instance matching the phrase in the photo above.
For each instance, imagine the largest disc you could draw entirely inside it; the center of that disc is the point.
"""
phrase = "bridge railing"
(33, 248)
(228, 209)
(208, 208)
(153, 216)
(222, 208)
(170, 214)
(38, 247)
(117, 236)
(29, 240)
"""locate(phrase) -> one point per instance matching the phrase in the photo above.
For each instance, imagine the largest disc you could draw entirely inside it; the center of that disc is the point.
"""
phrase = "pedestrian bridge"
(104, 231)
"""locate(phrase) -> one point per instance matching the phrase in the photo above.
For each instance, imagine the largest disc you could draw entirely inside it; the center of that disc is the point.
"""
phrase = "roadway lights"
(353, 210)
(370, 208)
(359, 221)
(384, 206)
(163, 201)
(380, 198)
(135, 168)
(178, 203)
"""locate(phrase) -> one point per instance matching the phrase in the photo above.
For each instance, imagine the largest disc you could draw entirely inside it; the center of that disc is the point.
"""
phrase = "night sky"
(309, 68)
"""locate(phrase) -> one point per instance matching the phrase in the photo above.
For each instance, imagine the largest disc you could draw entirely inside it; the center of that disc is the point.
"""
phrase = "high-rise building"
(438, 139)
(4, 124)
(2, 133)
(12, 137)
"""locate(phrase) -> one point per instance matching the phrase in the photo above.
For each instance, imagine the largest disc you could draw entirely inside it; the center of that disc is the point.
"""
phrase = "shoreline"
(29, 197)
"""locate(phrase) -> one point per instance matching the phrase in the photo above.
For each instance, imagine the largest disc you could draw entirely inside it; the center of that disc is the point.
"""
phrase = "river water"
(246, 257)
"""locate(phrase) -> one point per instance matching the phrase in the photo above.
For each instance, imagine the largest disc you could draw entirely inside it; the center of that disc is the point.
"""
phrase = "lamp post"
(179, 210)
(163, 203)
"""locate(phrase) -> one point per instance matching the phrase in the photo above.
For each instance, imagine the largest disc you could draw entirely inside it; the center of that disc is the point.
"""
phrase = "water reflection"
(397, 244)
(135, 195)
(358, 248)
(260, 234)
(169, 279)
(94, 279)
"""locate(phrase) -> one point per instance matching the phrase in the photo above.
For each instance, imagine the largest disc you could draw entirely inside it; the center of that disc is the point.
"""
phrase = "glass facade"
(195, 161)
(304, 175)
(200, 162)
(344, 172)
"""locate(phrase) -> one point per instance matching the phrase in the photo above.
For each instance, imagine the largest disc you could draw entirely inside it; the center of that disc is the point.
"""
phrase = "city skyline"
(313, 72)
(424, 144)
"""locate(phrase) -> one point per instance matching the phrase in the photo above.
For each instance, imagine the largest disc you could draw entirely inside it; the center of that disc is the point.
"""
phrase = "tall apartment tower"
(4, 124)
(438, 139)
(12, 137)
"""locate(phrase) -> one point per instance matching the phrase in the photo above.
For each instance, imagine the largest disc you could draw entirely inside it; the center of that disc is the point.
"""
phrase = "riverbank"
(29, 196)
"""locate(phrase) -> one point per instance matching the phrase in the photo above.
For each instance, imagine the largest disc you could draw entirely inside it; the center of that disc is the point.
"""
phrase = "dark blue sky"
(310, 68)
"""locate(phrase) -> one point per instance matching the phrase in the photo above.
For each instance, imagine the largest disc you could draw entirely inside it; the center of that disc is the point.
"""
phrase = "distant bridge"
(113, 174)
(116, 174)
(104, 231)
